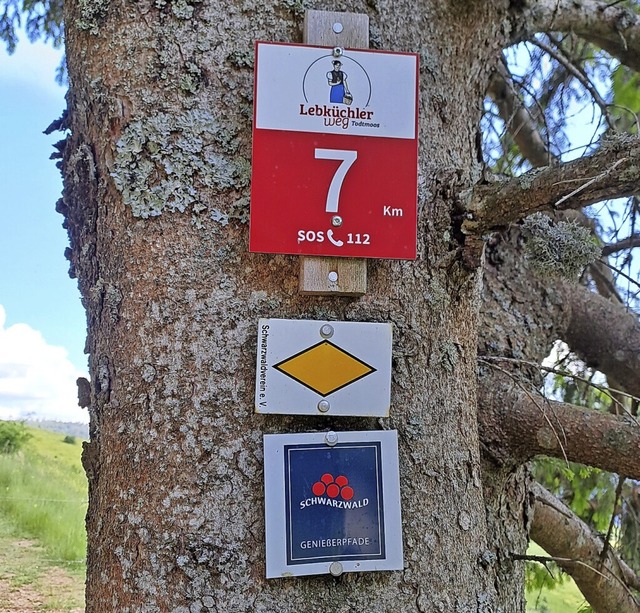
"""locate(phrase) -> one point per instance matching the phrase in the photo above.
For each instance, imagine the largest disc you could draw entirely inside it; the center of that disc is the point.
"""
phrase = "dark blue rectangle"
(334, 507)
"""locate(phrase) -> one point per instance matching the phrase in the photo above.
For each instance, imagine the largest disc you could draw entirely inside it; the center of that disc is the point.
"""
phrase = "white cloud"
(37, 380)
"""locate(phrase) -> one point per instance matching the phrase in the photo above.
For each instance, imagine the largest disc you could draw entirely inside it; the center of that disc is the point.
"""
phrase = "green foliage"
(539, 576)
(13, 436)
(42, 20)
(629, 542)
(70, 440)
(626, 99)
(548, 589)
(43, 494)
(589, 492)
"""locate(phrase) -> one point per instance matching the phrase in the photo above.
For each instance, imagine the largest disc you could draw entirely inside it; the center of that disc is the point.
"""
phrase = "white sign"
(309, 367)
(332, 503)
(362, 93)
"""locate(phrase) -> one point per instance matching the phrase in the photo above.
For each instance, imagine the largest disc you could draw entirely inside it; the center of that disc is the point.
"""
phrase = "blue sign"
(334, 502)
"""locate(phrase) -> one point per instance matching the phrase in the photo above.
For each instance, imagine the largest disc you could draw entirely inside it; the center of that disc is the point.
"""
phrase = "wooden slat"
(318, 274)
(344, 276)
(318, 29)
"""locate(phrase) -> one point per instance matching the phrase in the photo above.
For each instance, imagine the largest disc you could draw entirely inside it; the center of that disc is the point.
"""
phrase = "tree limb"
(516, 424)
(627, 243)
(517, 118)
(604, 280)
(612, 171)
(615, 29)
(604, 583)
(604, 335)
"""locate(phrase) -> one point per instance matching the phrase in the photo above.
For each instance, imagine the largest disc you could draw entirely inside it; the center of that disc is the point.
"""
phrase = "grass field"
(43, 501)
(29, 581)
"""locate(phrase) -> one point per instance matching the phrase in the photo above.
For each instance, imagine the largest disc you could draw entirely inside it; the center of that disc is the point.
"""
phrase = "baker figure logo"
(337, 80)
(339, 110)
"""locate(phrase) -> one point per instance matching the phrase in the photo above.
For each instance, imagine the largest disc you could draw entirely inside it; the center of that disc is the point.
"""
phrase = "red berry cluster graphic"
(333, 487)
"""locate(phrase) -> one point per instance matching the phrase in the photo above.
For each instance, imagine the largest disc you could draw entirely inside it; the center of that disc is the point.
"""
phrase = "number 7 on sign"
(347, 158)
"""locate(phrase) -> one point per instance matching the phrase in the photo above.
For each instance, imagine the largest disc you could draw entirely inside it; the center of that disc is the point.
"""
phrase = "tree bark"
(156, 192)
(609, 173)
(523, 425)
(606, 582)
(604, 335)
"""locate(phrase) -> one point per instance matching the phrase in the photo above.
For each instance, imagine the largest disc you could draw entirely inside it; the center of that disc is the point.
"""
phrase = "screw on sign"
(333, 487)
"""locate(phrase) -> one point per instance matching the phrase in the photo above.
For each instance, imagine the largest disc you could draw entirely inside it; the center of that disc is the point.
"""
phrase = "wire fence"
(14, 499)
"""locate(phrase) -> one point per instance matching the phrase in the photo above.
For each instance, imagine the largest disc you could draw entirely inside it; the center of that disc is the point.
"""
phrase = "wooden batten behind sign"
(319, 29)
(323, 276)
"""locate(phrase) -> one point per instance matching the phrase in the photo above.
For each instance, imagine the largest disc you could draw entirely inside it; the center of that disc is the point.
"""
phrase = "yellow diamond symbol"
(324, 368)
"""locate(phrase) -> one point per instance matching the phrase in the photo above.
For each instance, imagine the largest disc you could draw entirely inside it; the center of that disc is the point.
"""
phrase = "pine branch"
(606, 584)
(517, 118)
(626, 243)
(611, 172)
(612, 521)
(615, 29)
(576, 72)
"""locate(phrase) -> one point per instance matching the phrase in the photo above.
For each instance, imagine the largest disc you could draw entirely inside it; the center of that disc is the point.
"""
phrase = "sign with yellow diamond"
(324, 368)
(309, 367)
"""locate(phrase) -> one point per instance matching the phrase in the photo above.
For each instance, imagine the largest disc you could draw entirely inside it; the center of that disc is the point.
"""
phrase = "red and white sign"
(335, 152)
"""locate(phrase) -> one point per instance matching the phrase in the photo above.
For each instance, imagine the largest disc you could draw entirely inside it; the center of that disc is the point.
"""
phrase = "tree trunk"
(156, 191)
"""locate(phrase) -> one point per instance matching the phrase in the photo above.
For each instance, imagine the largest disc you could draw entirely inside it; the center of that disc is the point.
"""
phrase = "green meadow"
(43, 502)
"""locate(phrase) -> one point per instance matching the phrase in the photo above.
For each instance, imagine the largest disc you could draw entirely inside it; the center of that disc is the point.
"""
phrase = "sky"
(42, 321)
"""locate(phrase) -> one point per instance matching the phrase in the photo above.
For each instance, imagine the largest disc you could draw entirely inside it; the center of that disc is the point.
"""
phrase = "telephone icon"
(336, 242)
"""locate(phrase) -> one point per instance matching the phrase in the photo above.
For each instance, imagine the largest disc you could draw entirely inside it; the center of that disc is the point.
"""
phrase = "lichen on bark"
(166, 162)
(92, 13)
(561, 249)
